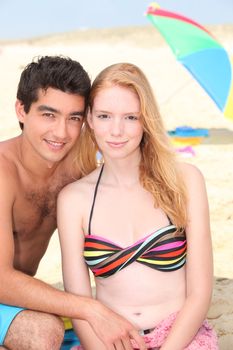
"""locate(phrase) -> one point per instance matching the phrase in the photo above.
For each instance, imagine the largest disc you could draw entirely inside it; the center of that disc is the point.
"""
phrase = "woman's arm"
(199, 266)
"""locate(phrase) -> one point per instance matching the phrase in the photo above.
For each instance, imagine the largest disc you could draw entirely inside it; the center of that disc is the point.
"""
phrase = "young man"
(34, 166)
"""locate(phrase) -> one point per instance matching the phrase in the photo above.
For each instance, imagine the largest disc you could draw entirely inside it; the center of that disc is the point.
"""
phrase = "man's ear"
(20, 112)
(90, 119)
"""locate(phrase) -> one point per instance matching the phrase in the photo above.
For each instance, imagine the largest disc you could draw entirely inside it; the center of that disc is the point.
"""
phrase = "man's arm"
(17, 288)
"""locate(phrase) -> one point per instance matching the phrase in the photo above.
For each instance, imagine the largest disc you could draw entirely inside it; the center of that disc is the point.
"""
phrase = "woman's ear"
(20, 112)
(90, 119)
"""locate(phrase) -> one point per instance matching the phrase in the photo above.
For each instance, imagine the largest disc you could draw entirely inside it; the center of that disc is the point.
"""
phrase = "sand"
(182, 102)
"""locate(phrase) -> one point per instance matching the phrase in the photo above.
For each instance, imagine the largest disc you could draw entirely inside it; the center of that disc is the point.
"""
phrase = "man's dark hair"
(55, 72)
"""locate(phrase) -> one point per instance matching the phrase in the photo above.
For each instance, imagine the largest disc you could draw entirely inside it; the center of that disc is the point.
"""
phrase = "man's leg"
(7, 315)
(32, 330)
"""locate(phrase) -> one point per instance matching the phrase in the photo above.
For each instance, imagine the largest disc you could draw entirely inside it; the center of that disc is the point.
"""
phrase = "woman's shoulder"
(187, 168)
(80, 188)
(191, 174)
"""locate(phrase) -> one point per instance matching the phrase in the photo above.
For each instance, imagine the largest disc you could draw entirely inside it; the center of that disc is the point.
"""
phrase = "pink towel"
(205, 338)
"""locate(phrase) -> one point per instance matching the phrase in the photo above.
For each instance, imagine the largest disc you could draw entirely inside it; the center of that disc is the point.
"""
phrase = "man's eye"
(77, 118)
(48, 115)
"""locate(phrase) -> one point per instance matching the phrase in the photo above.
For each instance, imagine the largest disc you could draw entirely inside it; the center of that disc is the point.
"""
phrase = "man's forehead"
(55, 94)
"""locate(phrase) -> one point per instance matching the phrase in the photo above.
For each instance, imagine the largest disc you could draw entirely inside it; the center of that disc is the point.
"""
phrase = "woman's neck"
(122, 172)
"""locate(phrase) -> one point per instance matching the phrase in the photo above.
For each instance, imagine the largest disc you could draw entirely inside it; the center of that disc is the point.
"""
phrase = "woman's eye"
(132, 117)
(103, 116)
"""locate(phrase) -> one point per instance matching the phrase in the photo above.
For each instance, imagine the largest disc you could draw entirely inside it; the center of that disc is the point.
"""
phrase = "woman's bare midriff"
(146, 300)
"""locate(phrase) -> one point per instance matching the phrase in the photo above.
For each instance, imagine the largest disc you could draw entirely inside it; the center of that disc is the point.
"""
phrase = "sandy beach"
(182, 102)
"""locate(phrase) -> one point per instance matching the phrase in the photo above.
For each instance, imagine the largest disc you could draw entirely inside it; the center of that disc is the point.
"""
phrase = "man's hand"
(113, 330)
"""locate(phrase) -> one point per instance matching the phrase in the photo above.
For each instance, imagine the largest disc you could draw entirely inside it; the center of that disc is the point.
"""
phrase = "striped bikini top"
(160, 250)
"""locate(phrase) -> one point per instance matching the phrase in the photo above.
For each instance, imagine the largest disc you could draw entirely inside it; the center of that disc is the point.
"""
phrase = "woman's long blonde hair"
(159, 171)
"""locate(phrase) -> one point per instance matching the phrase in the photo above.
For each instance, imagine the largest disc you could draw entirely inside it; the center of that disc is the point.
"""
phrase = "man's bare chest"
(35, 210)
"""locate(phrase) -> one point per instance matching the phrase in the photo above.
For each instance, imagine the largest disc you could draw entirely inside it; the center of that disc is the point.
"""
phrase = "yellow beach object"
(67, 323)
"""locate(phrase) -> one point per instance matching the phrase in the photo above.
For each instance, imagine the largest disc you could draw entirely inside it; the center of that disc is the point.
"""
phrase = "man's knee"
(54, 330)
(53, 333)
(35, 330)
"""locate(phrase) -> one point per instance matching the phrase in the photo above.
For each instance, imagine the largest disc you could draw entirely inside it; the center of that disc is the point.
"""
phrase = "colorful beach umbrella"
(196, 48)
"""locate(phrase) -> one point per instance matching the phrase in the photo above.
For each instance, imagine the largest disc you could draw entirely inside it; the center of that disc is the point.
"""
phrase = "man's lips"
(55, 144)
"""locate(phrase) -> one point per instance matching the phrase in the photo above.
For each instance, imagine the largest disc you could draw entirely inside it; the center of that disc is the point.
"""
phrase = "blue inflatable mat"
(188, 131)
(70, 339)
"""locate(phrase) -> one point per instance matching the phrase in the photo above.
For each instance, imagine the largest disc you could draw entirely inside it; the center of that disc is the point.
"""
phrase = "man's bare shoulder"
(8, 158)
(9, 179)
(8, 148)
(9, 143)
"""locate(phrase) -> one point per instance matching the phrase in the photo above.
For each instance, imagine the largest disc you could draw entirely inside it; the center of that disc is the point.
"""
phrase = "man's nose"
(60, 129)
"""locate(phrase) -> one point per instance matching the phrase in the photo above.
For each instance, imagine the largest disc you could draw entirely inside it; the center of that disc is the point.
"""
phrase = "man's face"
(53, 123)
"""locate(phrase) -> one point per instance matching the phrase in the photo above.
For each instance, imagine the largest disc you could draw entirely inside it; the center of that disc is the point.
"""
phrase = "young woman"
(139, 222)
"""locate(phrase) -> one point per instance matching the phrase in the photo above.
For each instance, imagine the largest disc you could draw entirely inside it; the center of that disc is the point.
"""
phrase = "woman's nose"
(117, 127)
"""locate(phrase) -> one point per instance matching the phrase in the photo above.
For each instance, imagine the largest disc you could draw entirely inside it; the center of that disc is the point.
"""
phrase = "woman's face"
(115, 120)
